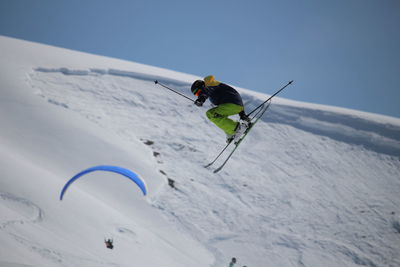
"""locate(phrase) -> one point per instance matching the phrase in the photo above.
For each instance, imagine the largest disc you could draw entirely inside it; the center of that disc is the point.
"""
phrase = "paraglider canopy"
(125, 172)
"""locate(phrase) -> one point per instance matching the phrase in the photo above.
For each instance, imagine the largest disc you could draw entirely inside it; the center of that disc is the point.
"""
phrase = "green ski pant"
(219, 116)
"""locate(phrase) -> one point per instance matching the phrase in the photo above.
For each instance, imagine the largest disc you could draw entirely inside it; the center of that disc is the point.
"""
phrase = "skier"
(233, 262)
(109, 243)
(228, 102)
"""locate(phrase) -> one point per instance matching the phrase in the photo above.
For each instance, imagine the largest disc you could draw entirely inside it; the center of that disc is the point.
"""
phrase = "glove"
(199, 101)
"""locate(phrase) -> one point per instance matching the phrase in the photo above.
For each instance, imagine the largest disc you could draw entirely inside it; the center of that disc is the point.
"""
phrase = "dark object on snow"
(149, 142)
(233, 262)
(396, 226)
(171, 183)
(109, 243)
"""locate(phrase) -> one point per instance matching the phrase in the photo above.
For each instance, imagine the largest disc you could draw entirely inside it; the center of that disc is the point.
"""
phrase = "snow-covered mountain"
(311, 185)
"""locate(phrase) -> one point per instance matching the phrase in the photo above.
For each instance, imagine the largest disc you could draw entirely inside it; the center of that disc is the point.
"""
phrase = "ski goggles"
(197, 92)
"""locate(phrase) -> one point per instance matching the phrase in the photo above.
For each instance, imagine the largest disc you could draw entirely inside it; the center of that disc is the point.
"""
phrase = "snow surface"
(312, 185)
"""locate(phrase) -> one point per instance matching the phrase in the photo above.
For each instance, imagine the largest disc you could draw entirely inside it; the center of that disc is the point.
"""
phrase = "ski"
(257, 117)
(217, 157)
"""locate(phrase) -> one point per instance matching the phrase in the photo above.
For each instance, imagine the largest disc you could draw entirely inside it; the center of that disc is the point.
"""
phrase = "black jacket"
(219, 93)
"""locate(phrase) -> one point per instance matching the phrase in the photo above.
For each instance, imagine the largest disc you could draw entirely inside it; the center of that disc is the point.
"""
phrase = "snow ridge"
(114, 72)
(378, 137)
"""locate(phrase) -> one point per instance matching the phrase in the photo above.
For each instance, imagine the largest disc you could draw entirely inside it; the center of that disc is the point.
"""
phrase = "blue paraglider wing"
(127, 173)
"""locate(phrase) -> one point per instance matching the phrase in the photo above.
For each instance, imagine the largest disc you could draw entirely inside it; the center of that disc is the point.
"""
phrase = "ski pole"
(157, 82)
(277, 92)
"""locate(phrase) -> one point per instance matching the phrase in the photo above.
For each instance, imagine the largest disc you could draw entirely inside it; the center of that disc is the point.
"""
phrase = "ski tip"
(217, 170)
(291, 82)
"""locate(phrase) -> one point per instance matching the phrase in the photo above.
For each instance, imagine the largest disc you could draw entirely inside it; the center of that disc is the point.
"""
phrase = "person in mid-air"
(109, 243)
(228, 102)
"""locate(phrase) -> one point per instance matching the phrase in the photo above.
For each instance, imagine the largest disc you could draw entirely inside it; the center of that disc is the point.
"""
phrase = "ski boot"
(240, 130)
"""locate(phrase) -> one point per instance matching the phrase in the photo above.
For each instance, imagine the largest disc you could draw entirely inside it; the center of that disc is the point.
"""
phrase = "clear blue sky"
(344, 52)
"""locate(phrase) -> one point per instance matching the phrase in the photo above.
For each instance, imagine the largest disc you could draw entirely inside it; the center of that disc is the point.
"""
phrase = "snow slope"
(311, 186)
